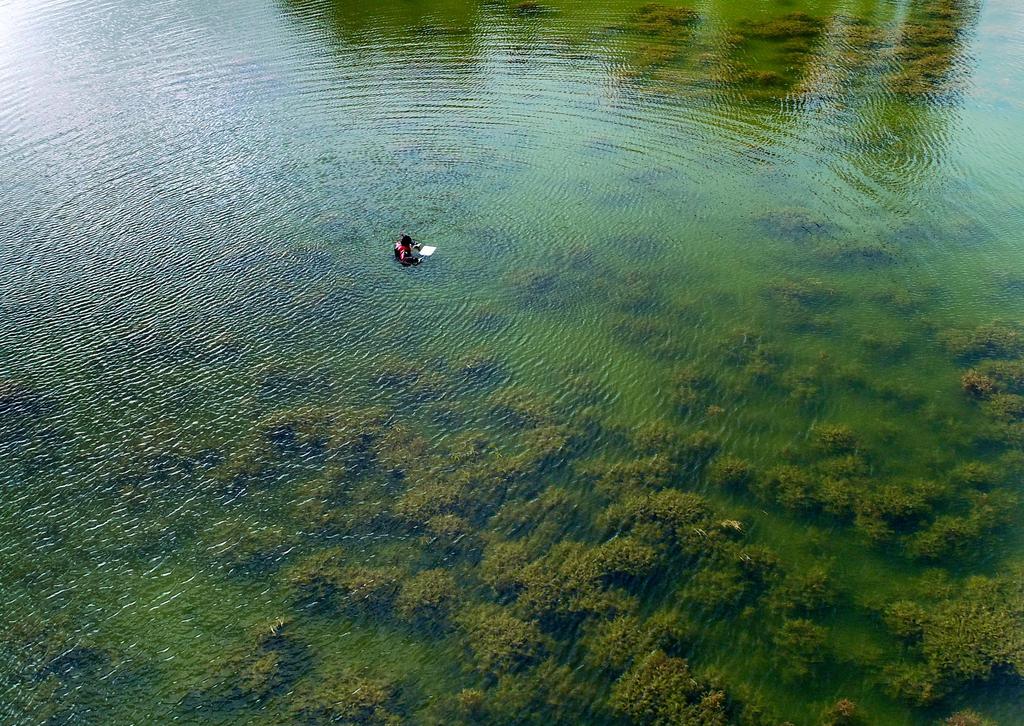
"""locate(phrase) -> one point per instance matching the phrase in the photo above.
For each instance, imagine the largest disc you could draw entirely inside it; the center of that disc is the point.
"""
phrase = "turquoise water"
(707, 410)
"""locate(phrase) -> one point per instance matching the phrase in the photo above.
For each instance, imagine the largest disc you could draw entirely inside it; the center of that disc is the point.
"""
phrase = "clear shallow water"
(666, 240)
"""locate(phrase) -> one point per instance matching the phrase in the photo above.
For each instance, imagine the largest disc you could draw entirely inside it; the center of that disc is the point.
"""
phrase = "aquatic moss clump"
(971, 637)
(732, 579)
(790, 486)
(573, 581)
(267, 662)
(659, 37)
(614, 478)
(1006, 407)
(896, 508)
(304, 430)
(962, 534)
(657, 337)
(1007, 375)
(719, 589)
(51, 667)
(906, 619)
(667, 519)
(503, 564)
(499, 641)
(544, 518)
(17, 399)
(530, 8)
(521, 408)
(805, 592)
(967, 718)
(887, 347)
(835, 439)
(245, 469)
(249, 549)
(786, 27)
(656, 19)
(428, 598)
(977, 384)
(760, 78)
(481, 367)
(761, 360)
(662, 690)
(801, 646)
(326, 579)
(730, 472)
(544, 448)
(992, 340)
(316, 578)
(805, 293)
(860, 254)
(689, 389)
(976, 475)
(795, 224)
(370, 590)
(346, 696)
(615, 644)
(802, 305)
(843, 712)
(929, 52)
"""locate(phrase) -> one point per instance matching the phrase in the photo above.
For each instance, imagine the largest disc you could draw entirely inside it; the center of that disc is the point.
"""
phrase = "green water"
(707, 410)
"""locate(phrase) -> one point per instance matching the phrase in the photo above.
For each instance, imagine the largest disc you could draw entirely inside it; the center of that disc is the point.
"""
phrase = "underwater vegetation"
(528, 8)
(558, 561)
(660, 36)
(929, 49)
(770, 56)
(952, 641)
(704, 434)
(48, 667)
(564, 577)
(662, 690)
(797, 225)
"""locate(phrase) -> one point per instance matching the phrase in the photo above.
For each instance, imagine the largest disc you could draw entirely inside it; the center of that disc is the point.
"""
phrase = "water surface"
(708, 409)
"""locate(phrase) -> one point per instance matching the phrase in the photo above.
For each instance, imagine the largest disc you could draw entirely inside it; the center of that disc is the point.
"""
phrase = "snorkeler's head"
(406, 239)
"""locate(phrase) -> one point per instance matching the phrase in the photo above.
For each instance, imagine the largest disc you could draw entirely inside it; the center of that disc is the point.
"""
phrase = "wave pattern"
(199, 205)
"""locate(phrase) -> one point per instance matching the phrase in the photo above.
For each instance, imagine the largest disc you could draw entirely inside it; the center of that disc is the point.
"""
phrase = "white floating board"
(427, 251)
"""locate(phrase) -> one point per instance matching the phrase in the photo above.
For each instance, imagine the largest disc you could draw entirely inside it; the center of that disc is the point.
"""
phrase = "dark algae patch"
(708, 410)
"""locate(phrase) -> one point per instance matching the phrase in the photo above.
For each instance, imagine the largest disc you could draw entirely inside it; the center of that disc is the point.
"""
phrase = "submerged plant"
(993, 340)
(249, 549)
(966, 638)
(806, 591)
(499, 641)
(615, 478)
(796, 224)
(573, 582)
(967, 718)
(663, 690)
(346, 696)
(730, 472)
(665, 518)
(801, 645)
(657, 19)
(429, 597)
(614, 644)
(835, 439)
(843, 712)
(529, 8)
(977, 384)
(786, 27)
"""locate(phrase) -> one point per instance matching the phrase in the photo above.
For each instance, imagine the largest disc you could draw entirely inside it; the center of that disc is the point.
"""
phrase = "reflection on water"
(708, 410)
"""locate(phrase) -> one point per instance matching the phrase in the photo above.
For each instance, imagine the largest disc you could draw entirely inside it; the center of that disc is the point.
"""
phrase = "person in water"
(404, 251)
